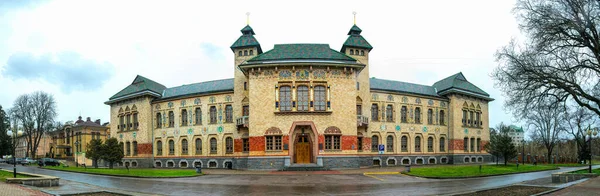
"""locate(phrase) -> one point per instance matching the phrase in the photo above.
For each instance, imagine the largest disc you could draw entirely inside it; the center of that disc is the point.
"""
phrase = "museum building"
(300, 106)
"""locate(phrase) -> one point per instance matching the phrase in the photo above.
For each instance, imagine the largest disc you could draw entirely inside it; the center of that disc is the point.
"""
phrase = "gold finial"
(354, 13)
(247, 18)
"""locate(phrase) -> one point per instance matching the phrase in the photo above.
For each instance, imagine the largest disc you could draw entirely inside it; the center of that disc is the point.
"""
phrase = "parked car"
(48, 162)
(12, 161)
(2, 160)
(28, 161)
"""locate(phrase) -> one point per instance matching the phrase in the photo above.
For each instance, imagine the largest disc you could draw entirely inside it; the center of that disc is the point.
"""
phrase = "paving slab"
(19, 190)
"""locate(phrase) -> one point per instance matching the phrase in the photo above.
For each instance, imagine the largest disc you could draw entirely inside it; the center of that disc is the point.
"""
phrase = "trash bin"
(198, 169)
(407, 168)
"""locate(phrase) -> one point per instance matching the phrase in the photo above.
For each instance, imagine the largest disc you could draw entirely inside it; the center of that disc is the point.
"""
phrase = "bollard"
(407, 169)
(479, 168)
(198, 169)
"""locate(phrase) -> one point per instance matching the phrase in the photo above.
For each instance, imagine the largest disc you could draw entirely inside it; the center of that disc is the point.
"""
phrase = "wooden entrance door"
(302, 149)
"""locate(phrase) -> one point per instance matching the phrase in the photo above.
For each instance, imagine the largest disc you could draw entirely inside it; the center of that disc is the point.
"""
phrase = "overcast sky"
(83, 52)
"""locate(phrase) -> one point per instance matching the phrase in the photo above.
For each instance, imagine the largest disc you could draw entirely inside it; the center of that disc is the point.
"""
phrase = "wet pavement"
(296, 184)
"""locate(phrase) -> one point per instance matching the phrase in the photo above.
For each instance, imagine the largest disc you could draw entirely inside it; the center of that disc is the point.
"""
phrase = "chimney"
(98, 121)
(89, 119)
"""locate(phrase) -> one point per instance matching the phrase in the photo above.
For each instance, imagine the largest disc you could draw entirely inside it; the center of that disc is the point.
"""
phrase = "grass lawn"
(133, 172)
(566, 165)
(4, 175)
(462, 171)
(585, 171)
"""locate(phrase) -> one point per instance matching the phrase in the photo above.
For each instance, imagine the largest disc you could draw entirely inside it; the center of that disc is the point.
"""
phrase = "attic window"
(240, 53)
(351, 52)
(251, 52)
(245, 53)
(362, 53)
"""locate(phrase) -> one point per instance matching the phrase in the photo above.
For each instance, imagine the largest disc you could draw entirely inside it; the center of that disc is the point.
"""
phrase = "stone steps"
(305, 167)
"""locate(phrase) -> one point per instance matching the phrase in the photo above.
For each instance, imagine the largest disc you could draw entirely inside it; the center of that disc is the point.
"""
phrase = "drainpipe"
(152, 136)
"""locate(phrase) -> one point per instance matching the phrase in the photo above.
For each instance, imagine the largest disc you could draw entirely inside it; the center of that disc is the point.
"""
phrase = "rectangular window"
(442, 122)
(198, 146)
(403, 114)
(198, 116)
(320, 98)
(303, 99)
(389, 113)
(404, 144)
(128, 125)
(135, 121)
(128, 150)
(360, 143)
(285, 98)
(213, 114)
(246, 110)
(471, 119)
(430, 144)
(171, 119)
(477, 122)
(359, 110)
(430, 116)
(472, 144)
(442, 145)
(332, 142)
(478, 144)
(374, 112)
(213, 145)
(184, 118)
(158, 120)
(122, 122)
(246, 145)
(228, 113)
(171, 147)
(273, 142)
(418, 115)
(228, 145)
(135, 149)
(466, 144)
(464, 118)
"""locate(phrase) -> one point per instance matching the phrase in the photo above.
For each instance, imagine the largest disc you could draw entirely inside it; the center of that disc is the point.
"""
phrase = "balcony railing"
(362, 121)
(242, 121)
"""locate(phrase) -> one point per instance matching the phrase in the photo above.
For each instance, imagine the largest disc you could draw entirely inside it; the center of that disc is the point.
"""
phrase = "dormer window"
(240, 53)
(251, 52)
(245, 53)
(362, 53)
(351, 52)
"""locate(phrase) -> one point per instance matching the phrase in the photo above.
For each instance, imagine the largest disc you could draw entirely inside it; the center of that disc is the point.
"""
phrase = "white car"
(28, 161)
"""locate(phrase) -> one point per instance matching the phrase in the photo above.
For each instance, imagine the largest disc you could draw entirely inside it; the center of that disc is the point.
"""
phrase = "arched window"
(158, 120)
(362, 53)
(122, 145)
(478, 145)
(171, 119)
(351, 52)
(477, 119)
(442, 121)
(213, 145)
(240, 53)
(198, 116)
(390, 143)
(228, 113)
(184, 119)
(229, 145)
(374, 143)
(466, 144)
(128, 125)
(302, 95)
(285, 98)
(320, 98)
(429, 116)
(418, 115)
(418, 144)
(121, 122)
(471, 118)
(245, 85)
(171, 147)
(430, 144)
(135, 121)
(442, 144)
(213, 114)
(127, 148)
(389, 113)
(403, 114)
(464, 118)
(374, 112)
(135, 150)
(404, 144)
(198, 146)
(472, 144)
(184, 147)
(251, 52)
(159, 148)
(245, 53)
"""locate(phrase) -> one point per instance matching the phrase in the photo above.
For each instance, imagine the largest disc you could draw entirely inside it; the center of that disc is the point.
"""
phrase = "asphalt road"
(293, 184)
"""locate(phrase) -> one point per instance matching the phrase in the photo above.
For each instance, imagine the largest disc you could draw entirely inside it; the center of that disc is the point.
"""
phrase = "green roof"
(198, 88)
(515, 128)
(356, 40)
(402, 87)
(246, 40)
(458, 83)
(139, 84)
(302, 52)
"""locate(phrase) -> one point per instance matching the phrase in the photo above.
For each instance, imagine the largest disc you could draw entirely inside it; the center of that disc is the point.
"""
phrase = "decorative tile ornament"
(466, 131)
(190, 118)
(134, 135)
(424, 128)
(164, 118)
(418, 100)
(121, 136)
(220, 115)
(336, 72)
(390, 98)
(268, 73)
(285, 74)
(398, 128)
(197, 101)
(157, 107)
(374, 96)
(302, 75)
(190, 131)
(319, 74)
(412, 128)
(404, 99)
(183, 103)
(170, 104)
(443, 103)
(437, 130)
(176, 132)
(164, 134)
(430, 102)
(228, 98)
(382, 127)
(204, 131)
(212, 99)
(478, 132)
(220, 129)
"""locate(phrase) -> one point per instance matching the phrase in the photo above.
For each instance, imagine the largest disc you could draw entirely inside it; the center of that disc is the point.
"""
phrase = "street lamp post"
(591, 133)
(523, 154)
(76, 152)
(14, 153)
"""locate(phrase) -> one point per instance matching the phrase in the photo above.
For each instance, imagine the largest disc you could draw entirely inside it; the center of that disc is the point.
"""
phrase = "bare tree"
(560, 60)
(546, 122)
(577, 120)
(35, 112)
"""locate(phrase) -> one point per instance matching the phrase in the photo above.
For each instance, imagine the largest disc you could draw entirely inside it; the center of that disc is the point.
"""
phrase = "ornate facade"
(301, 104)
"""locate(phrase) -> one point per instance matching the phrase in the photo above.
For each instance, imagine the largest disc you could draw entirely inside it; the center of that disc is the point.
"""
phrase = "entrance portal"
(303, 149)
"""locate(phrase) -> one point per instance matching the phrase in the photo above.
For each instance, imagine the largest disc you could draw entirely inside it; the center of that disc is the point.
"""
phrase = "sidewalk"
(589, 187)
(18, 190)
(329, 172)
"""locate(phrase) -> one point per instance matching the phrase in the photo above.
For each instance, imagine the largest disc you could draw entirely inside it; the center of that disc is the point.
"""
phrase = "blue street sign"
(381, 147)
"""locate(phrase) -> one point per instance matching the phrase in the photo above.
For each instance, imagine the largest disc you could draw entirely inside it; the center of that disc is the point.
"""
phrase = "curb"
(114, 175)
(465, 177)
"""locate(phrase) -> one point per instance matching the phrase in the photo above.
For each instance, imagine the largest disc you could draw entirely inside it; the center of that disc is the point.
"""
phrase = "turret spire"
(247, 18)
(354, 13)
